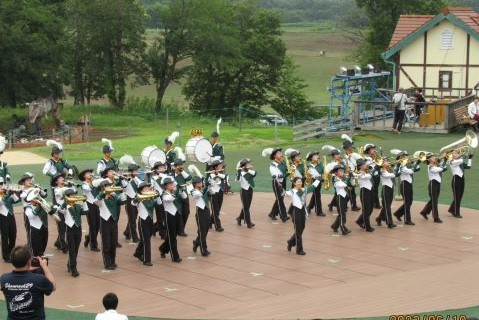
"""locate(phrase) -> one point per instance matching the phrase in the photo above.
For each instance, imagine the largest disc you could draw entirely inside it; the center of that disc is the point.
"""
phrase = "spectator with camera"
(25, 287)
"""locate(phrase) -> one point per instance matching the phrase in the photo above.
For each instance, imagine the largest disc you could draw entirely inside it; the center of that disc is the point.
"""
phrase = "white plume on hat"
(194, 170)
(218, 125)
(346, 137)
(289, 151)
(238, 165)
(180, 154)
(110, 144)
(267, 152)
(328, 147)
(172, 137)
(52, 143)
(126, 160)
(395, 151)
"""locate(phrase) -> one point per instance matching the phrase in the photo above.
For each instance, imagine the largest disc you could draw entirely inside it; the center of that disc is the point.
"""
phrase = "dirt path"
(22, 157)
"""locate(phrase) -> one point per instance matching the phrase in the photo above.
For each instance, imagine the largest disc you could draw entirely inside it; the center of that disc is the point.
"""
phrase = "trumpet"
(147, 196)
(214, 171)
(71, 200)
(16, 188)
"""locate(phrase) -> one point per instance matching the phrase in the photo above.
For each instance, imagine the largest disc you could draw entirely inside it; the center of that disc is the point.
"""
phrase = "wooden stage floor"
(250, 275)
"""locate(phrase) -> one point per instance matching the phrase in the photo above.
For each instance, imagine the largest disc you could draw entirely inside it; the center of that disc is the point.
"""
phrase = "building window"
(447, 37)
(445, 80)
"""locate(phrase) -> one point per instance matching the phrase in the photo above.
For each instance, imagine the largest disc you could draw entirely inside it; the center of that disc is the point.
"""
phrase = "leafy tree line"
(227, 53)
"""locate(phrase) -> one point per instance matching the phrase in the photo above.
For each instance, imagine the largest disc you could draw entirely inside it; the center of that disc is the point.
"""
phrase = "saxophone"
(308, 177)
(290, 170)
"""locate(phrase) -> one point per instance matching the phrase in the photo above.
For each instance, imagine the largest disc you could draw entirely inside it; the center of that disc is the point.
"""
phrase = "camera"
(36, 262)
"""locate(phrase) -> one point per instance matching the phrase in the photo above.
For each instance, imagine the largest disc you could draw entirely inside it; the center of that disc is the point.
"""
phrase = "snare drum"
(152, 154)
(198, 149)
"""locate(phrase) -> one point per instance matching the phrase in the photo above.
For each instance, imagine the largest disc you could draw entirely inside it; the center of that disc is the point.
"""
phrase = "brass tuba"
(464, 146)
(147, 196)
(328, 177)
(74, 199)
(36, 198)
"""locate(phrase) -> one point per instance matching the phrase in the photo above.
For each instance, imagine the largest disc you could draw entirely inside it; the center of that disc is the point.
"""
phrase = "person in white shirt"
(387, 194)
(93, 214)
(342, 200)
(246, 178)
(214, 177)
(399, 100)
(200, 197)
(365, 194)
(434, 171)
(172, 219)
(458, 164)
(473, 109)
(278, 171)
(131, 210)
(110, 302)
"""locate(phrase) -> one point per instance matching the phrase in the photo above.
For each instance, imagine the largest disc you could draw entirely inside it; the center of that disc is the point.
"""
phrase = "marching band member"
(169, 151)
(370, 151)
(316, 170)
(387, 194)
(107, 161)
(182, 178)
(3, 165)
(299, 214)
(58, 185)
(159, 173)
(350, 165)
(37, 233)
(214, 178)
(405, 176)
(335, 158)
(278, 171)
(131, 210)
(108, 204)
(72, 213)
(172, 220)
(365, 194)
(8, 226)
(434, 170)
(200, 197)
(26, 181)
(93, 214)
(218, 153)
(458, 164)
(245, 177)
(341, 199)
(145, 222)
(56, 165)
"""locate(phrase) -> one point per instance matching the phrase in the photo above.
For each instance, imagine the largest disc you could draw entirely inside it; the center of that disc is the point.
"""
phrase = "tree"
(238, 58)
(383, 16)
(30, 51)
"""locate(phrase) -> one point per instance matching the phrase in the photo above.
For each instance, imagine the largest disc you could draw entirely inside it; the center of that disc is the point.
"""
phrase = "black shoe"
(220, 229)
(356, 208)
(392, 225)
(135, 240)
(370, 229)
(109, 268)
(285, 219)
(177, 260)
(251, 225)
(398, 216)
(290, 245)
(308, 210)
(335, 230)
(65, 250)
(195, 246)
(182, 234)
(437, 220)
(378, 207)
(301, 253)
(95, 249)
(378, 221)
(162, 254)
(238, 221)
(7, 260)
(118, 245)
(272, 217)
(345, 232)
(410, 223)
(206, 253)
(148, 264)
(330, 207)
(139, 257)
(57, 245)
(87, 241)
(127, 236)
(75, 273)
(114, 265)
(320, 214)
(361, 225)
(424, 215)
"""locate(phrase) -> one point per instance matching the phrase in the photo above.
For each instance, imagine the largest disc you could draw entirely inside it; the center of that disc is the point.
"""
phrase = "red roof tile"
(407, 24)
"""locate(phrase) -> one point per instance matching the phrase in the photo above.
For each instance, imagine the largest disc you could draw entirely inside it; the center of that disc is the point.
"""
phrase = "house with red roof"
(437, 53)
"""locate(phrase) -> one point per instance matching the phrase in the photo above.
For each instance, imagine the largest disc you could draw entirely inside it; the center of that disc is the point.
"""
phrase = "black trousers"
(61, 241)
(132, 213)
(278, 207)
(93, 219)
(340, 221)
(246, 198)
(202, 222)
(109, 239)
(407, 194)
(38, 240)
(215, 208)
(398, 119)
(376, 180)
(457, 185)
(334, 202)
(8, 230)
(434, 189)
(159, 225)
(299, 221)
(220, 198)
(352, 197)
(185, 212)
(387, 196)
(74, 240)
(143, 249)
(173, 227)
(367, 203)
(315, 201)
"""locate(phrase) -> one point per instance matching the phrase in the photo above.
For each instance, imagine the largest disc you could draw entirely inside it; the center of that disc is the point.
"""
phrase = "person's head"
(455, 154)
(108, 173)
(144, 187)
(297, 182)
(476, 99)
(133, 169)
(107, 152)
(386, 164)
(26, 180)
(110, 301)
(419, 90)
(168, 144)
(335, 155)
(313, 157)
(21, 257)
(401, 90)
(168, 184)
(159, 167)
(56, 153)
(58, 180)
(295, 157)
(86, 175)
(432, 160)
(370, 150)
(215, 137)
(361, 165)
(178, 163)
(277, 155)
(338, 171)
(197, 182)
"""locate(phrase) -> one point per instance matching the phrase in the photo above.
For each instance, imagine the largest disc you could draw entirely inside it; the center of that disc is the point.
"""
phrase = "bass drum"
(152, 154)
(198, 149)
